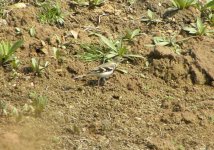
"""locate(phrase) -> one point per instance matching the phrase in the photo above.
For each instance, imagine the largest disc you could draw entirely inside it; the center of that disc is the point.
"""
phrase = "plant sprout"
(181, 4)
(36, 66)
(7, 51)
(151, 18)
(198, 28)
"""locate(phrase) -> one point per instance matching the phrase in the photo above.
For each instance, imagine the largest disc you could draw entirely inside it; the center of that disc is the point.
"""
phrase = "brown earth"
(168, 104)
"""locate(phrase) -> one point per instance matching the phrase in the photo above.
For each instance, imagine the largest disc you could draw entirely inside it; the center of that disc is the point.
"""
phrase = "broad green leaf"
(108, 42)
(190, 30)
(136, 32)
(133, 55)
(34, 63)
(16, 46)
(150, 14)
(210, 4)
(162, 43)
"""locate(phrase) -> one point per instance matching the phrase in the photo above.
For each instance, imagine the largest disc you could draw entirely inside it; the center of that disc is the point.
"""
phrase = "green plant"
(51, 13)
(7, 51)
(130, 35)
(116, 48)
(198, 28)
(109, 50)
(57, 54)
(211, 19)
(8, 110)
(92, 52)
(15, 63)
(131, 2)
(167, 41)
(181, 4)
(36, 66)
(203, 7)
(96, 2)
(80, 2)
(39, 103)
(151, 18)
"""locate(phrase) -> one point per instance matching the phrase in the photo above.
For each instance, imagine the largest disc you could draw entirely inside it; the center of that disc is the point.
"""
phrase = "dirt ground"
(165, 101)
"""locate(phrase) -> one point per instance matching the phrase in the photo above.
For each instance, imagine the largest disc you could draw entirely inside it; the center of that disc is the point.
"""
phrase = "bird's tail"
(79, 76)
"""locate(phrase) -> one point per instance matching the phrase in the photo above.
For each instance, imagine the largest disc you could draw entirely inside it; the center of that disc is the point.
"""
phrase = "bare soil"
(167, 105)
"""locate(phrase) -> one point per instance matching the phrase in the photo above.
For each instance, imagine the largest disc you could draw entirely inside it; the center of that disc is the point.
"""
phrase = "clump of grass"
(198, 28)
(150, 18)
(109, 49)
(7, 50)
(39, 103)
(37, 67)
(51, 13)
(92, 52)
(8, 110)
(130, 35)
(181, 4)
(131, 2)
(96, 2)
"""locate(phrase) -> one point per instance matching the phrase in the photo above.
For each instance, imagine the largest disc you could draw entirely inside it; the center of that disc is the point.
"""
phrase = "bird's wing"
(106, 67)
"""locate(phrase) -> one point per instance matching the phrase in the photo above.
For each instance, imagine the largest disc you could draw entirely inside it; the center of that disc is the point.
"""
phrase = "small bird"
(103, 71)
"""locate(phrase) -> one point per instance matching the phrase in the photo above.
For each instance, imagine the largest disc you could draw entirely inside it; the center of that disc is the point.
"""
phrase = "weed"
(36, 66)
(211, 19)
(81, 2)
(203, 7)
(96, 2)
(181, 4)
(8, 110)
(51, 13)
(15, 63)
(92, 52)
(57, 54)
(131, 2)
(39, 103)
(7, 51)
(198, 28)
(151, 18)
(116, 48)
(169, 41)
(130, 35)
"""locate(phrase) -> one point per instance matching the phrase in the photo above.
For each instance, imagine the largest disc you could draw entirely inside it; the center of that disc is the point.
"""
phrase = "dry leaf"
(74, 33)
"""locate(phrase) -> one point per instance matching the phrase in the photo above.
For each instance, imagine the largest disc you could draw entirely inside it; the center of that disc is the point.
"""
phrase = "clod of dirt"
(184, 16)
(163, 52)
(156, 143)
(169, 70)
(197, 76)
(189, 117)
(204, 58)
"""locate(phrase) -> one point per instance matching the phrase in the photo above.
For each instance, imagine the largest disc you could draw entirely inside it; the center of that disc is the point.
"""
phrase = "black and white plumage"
(103, 71)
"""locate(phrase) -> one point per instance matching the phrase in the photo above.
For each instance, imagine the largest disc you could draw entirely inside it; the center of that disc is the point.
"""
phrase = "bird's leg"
(99, 81)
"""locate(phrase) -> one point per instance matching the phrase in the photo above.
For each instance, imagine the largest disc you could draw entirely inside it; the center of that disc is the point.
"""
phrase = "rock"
(3, 22)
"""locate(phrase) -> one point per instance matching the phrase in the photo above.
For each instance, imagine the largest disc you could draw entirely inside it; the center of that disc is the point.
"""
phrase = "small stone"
(3, 22)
